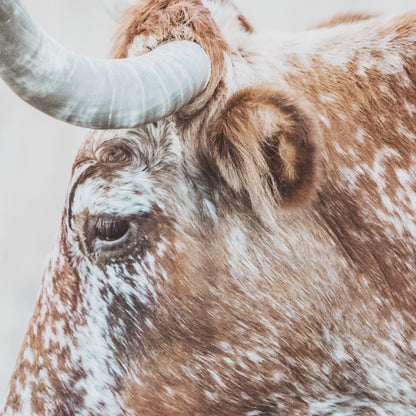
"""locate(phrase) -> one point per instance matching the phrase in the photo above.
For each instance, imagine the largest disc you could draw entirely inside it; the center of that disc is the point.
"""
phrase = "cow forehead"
(115, 170)
(146, 140)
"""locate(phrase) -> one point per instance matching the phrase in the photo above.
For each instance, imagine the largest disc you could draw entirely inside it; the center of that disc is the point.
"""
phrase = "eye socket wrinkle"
(117, 152)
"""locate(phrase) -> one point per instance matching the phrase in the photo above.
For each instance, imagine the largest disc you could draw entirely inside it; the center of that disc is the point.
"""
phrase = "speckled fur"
(273, 269)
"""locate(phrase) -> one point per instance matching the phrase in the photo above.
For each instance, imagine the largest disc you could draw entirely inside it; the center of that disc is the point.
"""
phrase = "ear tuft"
(266, 144)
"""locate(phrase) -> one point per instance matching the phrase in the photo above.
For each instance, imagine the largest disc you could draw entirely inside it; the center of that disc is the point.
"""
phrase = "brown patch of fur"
(168, 20)
(345, 19)
(364, 121)
(267, 140)
(245, 24)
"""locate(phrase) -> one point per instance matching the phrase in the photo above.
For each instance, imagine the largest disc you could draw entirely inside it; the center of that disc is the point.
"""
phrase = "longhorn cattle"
(239, 234)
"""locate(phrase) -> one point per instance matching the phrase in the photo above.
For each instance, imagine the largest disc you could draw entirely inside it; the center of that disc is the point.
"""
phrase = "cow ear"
(266, 145)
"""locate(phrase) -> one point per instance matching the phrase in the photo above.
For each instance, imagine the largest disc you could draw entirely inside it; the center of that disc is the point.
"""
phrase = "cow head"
(156, 277)
(191, 276)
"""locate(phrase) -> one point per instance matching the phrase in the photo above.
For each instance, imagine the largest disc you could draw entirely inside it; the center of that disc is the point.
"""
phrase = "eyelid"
(94, 225)
(134, 240)
(110, 228)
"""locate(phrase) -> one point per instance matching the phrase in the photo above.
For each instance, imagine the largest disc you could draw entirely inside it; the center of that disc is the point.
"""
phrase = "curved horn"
(96, 93)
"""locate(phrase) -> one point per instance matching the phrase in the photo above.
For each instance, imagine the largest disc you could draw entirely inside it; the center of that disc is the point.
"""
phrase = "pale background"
(36, 151)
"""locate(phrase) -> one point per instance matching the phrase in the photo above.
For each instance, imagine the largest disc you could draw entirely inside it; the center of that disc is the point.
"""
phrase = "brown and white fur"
(271, 265)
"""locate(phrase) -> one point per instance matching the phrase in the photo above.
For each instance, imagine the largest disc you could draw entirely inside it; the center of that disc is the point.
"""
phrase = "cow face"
(134, 192)
(168, 228)
(180, 252)
(196, 273)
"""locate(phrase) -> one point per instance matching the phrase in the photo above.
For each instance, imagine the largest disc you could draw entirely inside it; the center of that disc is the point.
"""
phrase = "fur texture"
(269, 264)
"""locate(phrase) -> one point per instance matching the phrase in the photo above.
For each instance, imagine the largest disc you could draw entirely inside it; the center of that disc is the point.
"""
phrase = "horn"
(96, 93)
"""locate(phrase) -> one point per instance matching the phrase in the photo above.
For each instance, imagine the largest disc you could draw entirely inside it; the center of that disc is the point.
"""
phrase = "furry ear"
(266, 145)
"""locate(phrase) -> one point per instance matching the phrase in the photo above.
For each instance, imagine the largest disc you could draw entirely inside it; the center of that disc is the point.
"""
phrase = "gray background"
(36, 151)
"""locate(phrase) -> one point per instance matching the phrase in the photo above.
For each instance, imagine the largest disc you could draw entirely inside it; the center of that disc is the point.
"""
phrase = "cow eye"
(112, 237)
(107, 234)
(110, 229)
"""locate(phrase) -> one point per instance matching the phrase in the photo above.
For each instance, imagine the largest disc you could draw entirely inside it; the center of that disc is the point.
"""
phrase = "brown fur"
(244, 317)
(168, 20)
(369, 244)
(245, 24)
(265, 140)
(345, 19)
